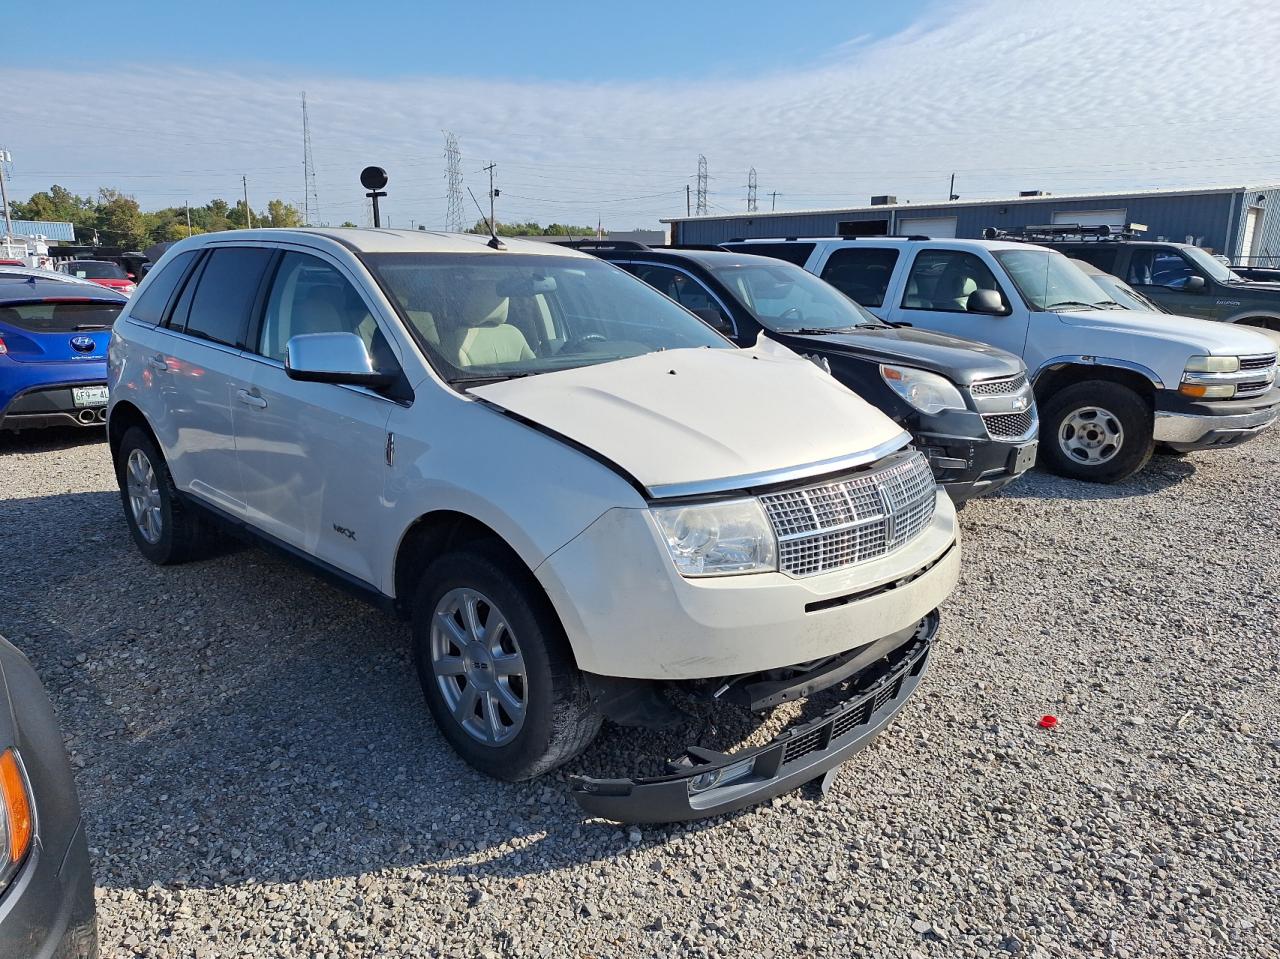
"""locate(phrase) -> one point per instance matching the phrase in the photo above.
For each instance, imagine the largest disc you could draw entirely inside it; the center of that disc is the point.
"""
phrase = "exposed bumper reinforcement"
(705, 783)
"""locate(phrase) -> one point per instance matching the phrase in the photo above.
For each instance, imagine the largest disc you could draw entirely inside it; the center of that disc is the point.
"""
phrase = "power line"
(702, 186)
(453, 218)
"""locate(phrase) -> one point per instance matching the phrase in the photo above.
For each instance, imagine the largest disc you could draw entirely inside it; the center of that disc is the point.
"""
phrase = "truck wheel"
(165, 528)
(1097, 431)
(495, 666)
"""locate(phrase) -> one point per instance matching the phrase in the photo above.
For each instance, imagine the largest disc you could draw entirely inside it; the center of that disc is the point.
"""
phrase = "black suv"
(956, 397)
(1182, 278)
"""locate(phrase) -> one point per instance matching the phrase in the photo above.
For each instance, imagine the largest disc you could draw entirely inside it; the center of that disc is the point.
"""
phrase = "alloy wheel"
(478, 666)
(144, 496)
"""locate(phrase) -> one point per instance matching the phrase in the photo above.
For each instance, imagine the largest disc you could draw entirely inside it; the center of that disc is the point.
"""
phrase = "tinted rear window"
(228, 287)
(797, 253)
(60, 317)
(150, 304)
(87, 270)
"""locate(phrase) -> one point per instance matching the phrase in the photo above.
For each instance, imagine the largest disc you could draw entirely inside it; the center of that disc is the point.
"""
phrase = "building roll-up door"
(934, 227)
(1112, 218)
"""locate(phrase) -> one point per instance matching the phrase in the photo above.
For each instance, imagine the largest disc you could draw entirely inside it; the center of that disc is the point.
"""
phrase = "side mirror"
(714, 319)
(1194, 284)
(988, 302)
(332, 358)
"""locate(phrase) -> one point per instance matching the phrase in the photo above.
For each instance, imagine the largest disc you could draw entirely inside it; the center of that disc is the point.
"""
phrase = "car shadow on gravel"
(236, 720)
(1162, 472)
(50, 439)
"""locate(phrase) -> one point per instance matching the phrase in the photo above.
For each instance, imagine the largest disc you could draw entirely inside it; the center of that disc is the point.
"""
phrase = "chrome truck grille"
(837, 524)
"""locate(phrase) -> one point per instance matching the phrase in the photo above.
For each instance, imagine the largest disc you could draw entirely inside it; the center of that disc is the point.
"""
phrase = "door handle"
(251, 399)
(158, 362)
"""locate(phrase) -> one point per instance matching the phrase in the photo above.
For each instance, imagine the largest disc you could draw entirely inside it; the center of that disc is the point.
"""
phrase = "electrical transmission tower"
(453, 217)
(310, 202)
(701, 208)
(751, 191)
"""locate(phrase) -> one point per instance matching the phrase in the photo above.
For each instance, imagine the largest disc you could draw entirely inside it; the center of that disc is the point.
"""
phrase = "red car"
(103, 272)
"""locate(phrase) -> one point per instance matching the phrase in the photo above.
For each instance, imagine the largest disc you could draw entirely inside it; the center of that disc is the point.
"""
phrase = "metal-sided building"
(1242, 222)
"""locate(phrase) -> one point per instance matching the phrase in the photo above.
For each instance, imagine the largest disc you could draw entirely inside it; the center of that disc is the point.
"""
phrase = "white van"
(578, 492)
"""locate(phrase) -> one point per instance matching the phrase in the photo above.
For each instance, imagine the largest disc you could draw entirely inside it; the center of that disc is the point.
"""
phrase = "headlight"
(718, 539)
(17, 820)
(1213, 364)
(927, 392)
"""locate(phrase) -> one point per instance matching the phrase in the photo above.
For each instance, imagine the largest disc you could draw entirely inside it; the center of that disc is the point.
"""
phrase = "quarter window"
(942, 280)
(225, 294)
(311, 296)
(861, 274)
(151, 303)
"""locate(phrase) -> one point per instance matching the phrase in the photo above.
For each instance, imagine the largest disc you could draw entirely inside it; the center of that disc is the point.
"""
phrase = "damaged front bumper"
(706, 783)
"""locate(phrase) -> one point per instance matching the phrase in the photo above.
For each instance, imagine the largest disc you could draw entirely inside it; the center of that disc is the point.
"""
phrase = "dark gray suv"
(46, 890)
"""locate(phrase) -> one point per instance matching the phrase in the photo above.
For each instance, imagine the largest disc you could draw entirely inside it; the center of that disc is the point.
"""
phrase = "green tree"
(532, 228)
(120, 221)
(280, 213)
(60, 204)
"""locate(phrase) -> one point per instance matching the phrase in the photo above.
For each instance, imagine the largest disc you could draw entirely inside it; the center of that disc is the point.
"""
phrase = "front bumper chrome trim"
(1190, 431)
(802, 753)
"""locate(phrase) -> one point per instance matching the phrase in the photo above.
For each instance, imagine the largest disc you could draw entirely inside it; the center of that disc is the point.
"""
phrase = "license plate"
(1024, 457)
(89, 395)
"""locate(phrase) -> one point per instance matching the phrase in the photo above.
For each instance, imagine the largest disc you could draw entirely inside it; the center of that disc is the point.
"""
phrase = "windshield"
(1124, 294)
(1210, 266)
(494, 316)
(94, 270)
(785, 299)
(1049, 281)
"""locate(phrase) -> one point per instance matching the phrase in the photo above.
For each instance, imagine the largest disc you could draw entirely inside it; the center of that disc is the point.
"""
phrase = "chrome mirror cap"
(332, 358)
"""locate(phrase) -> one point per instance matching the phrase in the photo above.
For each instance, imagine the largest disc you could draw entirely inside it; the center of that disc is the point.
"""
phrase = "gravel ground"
(260, 777)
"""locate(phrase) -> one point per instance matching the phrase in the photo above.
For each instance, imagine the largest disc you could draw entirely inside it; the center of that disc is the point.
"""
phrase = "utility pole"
(702, 185)
(492, 193)
(187, 204)
(248, 213)
(5, 159)
(774, 197)
(751, 191)
(951, 193)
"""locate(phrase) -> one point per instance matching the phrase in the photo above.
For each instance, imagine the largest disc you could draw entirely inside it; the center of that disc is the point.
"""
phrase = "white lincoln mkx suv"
(578, 493)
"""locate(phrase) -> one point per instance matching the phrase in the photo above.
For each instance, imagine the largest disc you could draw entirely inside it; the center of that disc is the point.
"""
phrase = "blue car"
(54, 332)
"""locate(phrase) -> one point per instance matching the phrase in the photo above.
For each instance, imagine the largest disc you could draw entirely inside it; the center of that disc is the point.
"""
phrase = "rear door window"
(225, 294)
(151, 303)
(862, 274)
(1103, 257)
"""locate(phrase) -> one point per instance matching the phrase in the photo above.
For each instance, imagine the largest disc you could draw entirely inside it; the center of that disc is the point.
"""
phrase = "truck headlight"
(927, 392)
(1213, 364)
(718, 539)
(17, 819)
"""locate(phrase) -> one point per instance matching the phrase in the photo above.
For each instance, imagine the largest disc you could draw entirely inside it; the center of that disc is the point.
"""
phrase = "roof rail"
(607, 245)
(1064, 231)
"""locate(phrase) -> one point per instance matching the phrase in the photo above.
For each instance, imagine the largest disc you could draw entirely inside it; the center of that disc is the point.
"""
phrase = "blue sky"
(598, 111)
(587, 41)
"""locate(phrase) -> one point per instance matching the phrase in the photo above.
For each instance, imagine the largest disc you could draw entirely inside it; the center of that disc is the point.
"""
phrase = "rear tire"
(1097, 431)
(495, 666)
(165, 527)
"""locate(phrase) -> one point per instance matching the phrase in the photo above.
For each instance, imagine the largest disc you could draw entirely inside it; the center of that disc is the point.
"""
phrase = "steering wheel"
(793, 313)
(576, 344)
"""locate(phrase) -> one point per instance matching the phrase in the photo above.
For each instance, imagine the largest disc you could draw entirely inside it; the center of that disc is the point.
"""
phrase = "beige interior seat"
(485, 338)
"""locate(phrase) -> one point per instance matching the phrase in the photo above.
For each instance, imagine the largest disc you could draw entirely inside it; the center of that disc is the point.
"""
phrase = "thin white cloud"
(1009, 94)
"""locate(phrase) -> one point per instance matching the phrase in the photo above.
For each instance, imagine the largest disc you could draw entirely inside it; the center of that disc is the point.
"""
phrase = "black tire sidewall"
(161, 552)
(1128, 407)
(542, 645)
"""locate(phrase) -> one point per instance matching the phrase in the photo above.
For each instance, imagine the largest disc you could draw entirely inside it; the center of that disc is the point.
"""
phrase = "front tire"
(1097, 431)
(495, 666)
(164, 527)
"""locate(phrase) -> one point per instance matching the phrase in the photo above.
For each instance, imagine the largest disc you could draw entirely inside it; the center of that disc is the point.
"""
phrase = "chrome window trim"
(770, 477)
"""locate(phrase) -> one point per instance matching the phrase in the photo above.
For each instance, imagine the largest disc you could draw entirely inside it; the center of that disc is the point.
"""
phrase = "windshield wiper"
(85, 327)
(1079, 303)
(819, 331)
(489, 378)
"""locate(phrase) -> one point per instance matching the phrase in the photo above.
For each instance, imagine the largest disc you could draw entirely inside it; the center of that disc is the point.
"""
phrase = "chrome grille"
(999, 387)
(833, 525)
(1257, 362)
(1009, 424)
(1253, 388)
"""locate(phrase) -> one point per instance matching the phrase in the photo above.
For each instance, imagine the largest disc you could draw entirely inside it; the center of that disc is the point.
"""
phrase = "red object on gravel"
(1048, 722)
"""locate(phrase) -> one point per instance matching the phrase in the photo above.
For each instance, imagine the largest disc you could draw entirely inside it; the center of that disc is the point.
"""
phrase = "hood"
(961, 361)
(1206, 337)
(713, 416)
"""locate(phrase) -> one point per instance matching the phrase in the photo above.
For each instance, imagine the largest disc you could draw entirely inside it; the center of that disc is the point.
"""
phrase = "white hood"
(701, 415)
(1206, 337)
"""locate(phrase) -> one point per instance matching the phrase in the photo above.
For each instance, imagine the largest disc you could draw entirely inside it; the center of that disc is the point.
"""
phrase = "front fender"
(1084, 359)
